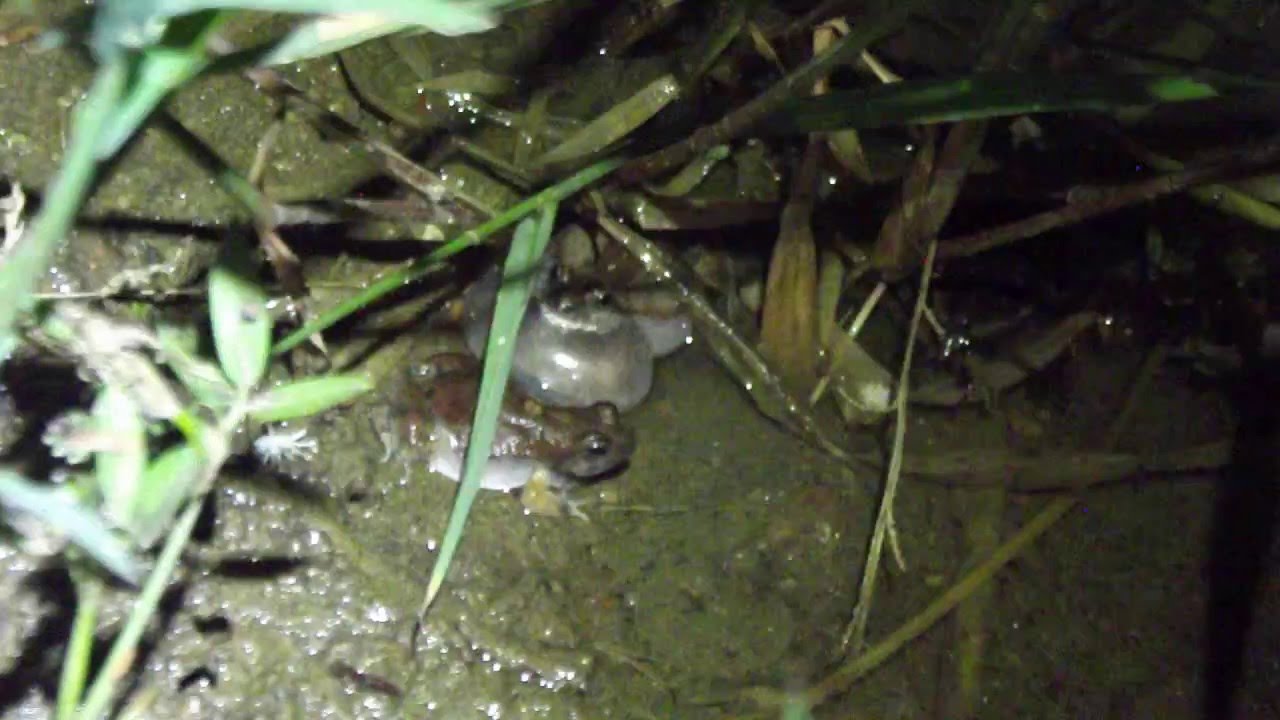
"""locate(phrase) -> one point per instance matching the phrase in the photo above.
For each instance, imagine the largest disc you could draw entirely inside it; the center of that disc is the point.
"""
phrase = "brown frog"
(581, 443)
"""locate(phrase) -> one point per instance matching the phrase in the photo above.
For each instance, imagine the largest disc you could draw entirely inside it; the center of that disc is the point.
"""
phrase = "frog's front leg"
(549, 495)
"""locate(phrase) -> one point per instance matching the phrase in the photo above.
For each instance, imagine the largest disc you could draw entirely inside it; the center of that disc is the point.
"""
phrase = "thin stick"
(122, 651)
(854, 328)
(856, 632)
(1084, 203)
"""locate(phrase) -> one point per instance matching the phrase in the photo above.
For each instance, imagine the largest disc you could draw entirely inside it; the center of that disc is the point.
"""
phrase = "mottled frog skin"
(580, 443)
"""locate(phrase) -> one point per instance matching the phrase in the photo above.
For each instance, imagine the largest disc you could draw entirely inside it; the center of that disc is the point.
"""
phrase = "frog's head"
(598, 446)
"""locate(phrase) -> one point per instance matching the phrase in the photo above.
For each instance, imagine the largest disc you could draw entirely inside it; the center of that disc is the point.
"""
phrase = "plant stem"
(75, 665)
(122, 651)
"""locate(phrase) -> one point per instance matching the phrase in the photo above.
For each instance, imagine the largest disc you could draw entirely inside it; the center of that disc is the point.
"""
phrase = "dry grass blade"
(789, 327)
(743, 118)
(856, 633)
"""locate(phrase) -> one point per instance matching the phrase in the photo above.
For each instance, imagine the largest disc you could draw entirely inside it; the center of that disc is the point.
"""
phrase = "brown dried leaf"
(788, 332)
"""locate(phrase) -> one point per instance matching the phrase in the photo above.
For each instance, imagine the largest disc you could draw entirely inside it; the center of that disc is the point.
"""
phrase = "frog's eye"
(597, 444)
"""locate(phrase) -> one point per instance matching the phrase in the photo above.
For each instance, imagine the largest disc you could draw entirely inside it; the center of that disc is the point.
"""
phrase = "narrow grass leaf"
(994, 94)
(238, 314)
(59, 508)
(527, 247)
(169, 480)
(124, 649)
(617, 122)
(325, 35)
(156, 71)
(307, 397)
(75, 662)
(446, 17)
(119, 467)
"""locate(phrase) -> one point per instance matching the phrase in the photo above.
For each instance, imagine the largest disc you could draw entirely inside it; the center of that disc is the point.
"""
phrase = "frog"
(559, 445)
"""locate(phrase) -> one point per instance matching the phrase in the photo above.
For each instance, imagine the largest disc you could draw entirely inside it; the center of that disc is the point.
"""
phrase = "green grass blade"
(144, 608)
(27, 262)
(172, 477)
(75, 663)
(446, 17)
(419, 268)
(616, 123)
(531, 238)
(325, 35)
(156, 71)
(994, 94)
(62, 512)
(795, 709)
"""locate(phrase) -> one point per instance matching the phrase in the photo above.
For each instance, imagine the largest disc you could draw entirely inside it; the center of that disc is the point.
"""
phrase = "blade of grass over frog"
(400, 278)
(796, 709)
(115, 667)
(61, 511)
(25, 264)
(987, 95)
(531, 239)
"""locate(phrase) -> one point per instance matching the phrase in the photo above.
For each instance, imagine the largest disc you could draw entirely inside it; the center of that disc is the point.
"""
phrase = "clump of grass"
(139, 496)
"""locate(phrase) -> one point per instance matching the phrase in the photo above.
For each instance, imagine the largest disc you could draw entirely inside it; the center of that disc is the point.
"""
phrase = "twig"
(1069, 471)
(1232, 199)
(1085, 202)
(855, 327)
(856, 632)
